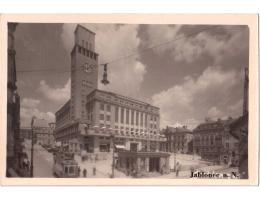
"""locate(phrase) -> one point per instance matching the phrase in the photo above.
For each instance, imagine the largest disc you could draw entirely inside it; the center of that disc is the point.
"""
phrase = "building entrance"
(154, 164)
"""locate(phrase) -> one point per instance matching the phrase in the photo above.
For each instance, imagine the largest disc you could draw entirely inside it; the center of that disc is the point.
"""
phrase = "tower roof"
(82, 27)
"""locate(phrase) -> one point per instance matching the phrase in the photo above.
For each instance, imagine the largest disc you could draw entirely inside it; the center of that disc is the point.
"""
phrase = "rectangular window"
(122, 115)
(102, 106)
(142, 119)
(108, 118)
(127, 116)
(108, 108)
(145, 121)
(137, 118)
(132, 117)
(116, 114)
(101, 117)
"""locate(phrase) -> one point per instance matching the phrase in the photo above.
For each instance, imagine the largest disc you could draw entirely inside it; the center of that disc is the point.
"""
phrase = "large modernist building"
(91, 117)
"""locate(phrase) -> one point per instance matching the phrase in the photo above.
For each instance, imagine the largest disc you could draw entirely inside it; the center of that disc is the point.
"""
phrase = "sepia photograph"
(127, 101)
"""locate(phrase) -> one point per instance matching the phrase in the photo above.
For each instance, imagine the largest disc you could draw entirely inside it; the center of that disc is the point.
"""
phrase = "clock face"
(88, 68)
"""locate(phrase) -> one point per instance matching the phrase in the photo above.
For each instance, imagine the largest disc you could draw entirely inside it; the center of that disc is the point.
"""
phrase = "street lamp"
(32, 143)
(113, 154)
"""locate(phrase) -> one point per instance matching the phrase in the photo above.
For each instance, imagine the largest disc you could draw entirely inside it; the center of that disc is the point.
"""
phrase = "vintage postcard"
(129, 99)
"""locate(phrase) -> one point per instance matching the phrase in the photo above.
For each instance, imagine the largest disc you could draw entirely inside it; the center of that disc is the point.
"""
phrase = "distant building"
(43, 131)
(25, 133)
(179, 139)
(213, 141)
(87, 120)
(14, 147)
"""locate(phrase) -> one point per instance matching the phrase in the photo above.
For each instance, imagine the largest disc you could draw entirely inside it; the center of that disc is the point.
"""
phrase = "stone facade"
(213, 141)
(87, 121)
(179, 139)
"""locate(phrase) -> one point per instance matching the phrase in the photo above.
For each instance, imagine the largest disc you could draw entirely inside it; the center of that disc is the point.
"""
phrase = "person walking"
(85, 173)
(79, 171)
(94, 171)
(178, 167)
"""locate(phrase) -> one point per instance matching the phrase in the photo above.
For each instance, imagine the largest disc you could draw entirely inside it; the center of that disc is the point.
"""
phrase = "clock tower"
(84, 71)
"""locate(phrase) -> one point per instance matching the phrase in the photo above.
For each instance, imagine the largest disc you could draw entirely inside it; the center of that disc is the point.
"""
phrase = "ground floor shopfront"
(82, 140)
(141, 163)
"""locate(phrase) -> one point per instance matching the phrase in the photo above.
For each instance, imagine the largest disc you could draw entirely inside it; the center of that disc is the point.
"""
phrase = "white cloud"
(161, 34)
(28, 113)
(30, 103)
(190, 48)
(113, 43)
(214, 112)
(29, 108)
(57, 94)
(195, 97)
(236, 108)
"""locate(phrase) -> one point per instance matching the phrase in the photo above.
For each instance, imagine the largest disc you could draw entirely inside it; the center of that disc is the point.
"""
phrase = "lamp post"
(32, 143)
(113, 154)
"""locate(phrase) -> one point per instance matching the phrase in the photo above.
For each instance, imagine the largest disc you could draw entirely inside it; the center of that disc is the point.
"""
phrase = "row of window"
(87, 53)
(128, 103)
(102, 107)
(86, 45)
(126, 112)
(127, 130)
(174, 137)
(104, 117)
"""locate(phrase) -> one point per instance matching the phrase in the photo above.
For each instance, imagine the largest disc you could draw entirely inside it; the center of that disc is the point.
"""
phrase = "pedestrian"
(192, 170)
(85, 172)
(94, 171)
(79, 171)
(177, 169)
(28, 165)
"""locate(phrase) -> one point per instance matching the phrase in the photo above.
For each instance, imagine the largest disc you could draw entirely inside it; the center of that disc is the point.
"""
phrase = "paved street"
(43, 161)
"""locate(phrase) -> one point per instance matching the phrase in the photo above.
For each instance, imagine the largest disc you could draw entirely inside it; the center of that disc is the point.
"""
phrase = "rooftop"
(82, 27)
(219, 123)
(182, 129)
(123, 97)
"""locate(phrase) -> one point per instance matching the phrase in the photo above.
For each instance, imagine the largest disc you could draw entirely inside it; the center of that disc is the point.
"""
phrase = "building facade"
(26, 133)
(14, 147)
(87, 121)
(45, 134)
(213, 141)
(179, 139)
(43, 131)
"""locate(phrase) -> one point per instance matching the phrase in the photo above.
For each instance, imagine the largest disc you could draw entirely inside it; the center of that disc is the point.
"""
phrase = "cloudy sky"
(189, 71)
